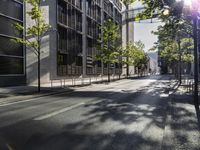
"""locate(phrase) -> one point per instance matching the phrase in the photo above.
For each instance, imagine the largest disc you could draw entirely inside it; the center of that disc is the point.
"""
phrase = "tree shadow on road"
(120, 120)
(184, 122)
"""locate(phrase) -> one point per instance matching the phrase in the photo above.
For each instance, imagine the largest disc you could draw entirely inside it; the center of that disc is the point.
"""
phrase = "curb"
(17, 98)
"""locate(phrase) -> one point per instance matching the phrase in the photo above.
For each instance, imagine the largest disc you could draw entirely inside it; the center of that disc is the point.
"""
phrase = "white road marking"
(32, 99)
(58, 112)
(164, 95)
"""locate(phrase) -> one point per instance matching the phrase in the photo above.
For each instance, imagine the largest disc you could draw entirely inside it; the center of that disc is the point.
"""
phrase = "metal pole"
(196, 55)
(127, 37)
(180, 67)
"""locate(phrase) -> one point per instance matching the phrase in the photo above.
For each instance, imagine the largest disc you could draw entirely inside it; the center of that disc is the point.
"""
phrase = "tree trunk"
(108, 72)
(39, 71)
(39, 47)
(180, 68)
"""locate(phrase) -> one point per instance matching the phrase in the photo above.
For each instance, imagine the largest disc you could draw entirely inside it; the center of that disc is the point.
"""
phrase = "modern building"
(78, 28)
(69, 51)
(12, 55)
(153, 62)
(128, 31)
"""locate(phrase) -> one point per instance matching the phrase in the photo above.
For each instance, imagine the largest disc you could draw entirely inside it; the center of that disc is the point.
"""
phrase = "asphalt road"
(129, 114)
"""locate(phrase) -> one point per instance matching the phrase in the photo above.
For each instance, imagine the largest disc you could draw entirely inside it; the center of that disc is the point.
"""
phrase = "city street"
(99, 75)
(124, 115)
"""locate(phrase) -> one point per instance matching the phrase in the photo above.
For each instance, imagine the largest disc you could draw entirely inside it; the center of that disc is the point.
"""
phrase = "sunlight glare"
(194, 4)
(188, 2)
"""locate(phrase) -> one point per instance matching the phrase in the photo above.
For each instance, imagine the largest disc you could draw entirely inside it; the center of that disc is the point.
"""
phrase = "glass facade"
(73, 39)
(113, 13)
(70, 37)
(11, 54)
(70, 43)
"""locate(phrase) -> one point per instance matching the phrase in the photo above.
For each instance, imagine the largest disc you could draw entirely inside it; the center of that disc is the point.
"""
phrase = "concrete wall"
(48, 47)
(124, 40)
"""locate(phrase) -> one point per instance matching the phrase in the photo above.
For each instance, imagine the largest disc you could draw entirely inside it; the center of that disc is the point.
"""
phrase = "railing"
(80, 81)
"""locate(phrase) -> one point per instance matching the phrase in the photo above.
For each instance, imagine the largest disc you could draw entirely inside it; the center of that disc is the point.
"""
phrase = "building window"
(89, 47)
(99, 63)
(79, 61)
(11, 65)
(7, 47)
(70, 19)
(7, 27)
(12, 9)
(78, 21)
(70, 37)
(11, 53)
(79, 4)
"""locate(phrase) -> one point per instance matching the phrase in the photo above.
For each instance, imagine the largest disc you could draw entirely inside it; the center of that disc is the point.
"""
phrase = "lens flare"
(193, 4)
(188, 2)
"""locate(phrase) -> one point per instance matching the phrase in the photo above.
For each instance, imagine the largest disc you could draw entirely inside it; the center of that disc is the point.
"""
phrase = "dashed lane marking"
(32, 99)
(46, 116)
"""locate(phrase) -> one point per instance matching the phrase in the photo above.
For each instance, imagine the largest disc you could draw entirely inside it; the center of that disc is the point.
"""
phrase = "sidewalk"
(19, 93)
(182, 131)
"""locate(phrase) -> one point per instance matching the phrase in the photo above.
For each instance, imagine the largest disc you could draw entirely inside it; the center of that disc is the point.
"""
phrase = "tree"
(171, 54)
(141, 59)
(38, 29)
(126, 52)
(107, 49)
(135, 53)
(176, 27)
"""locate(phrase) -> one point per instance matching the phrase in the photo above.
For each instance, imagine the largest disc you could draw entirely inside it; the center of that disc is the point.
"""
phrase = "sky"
(143, 33)
(143, 30)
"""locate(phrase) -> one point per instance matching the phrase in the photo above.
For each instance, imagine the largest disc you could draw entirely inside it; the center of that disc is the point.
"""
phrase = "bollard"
(82, 81)
(51, 84)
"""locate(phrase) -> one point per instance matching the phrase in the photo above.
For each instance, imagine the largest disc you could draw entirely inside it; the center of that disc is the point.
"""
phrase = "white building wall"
(48, 47)
(124, 40)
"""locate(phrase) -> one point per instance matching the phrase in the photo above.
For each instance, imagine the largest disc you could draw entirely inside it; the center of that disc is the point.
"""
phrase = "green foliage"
(170, 52)
(176, 20)
(134, 53)
(176, 28)
(141, 58)
(38, 29)
(140, 46)
(159, 6)
(111, 51)
(108, 48)
(128, 2)
(187, 47)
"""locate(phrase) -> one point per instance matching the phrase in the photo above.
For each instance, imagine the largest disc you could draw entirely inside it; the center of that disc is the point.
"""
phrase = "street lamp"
(166, 12)
(196, 56)
(180, 60)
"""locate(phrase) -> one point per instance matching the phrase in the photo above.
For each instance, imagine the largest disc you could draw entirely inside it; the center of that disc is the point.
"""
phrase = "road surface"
(129, 114)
